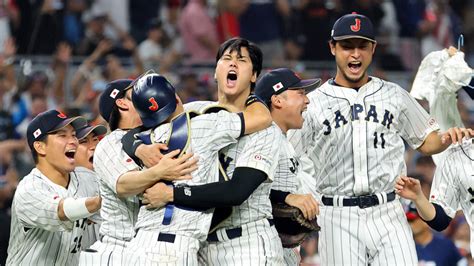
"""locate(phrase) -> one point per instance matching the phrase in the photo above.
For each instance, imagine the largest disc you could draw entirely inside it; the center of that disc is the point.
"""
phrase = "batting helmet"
(154, 99)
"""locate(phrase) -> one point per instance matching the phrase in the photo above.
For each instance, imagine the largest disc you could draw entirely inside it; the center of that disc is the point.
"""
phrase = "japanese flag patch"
(278, 86)
(37, 133)
(114, 93)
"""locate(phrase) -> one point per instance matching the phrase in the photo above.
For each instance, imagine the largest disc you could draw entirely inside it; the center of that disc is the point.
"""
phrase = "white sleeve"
(217, 130)
(37, 207)
(261, 151)
(445, 188)
(111, 161)
(415, 123)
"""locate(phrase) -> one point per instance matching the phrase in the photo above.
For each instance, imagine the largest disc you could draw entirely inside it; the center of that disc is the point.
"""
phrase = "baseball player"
(120, 179)
(51, 206)
(353, 133)
(452, 189)
(88, 137)
(248, 235)
(285, 94)
(177, 241)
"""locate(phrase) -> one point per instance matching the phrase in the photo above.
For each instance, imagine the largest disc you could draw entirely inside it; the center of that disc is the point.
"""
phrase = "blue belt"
(164, 237)
(364, 201)
(231, 233)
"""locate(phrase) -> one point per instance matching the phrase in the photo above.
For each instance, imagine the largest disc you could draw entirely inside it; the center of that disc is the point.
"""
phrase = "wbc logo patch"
(278, 86)
(37, 133)
(114, 93)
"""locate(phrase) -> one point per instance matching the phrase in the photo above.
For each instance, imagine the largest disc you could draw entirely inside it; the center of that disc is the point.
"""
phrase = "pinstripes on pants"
(378, 235)
(258, 245)
(145, 249)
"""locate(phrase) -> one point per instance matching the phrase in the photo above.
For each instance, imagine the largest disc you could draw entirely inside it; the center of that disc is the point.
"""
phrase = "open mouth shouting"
(91, 159)
(70, 154)
(355, 67)
(231, 79)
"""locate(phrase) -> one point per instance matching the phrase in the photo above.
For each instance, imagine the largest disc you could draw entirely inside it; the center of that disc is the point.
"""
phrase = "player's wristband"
(75, 209)
(252, 99)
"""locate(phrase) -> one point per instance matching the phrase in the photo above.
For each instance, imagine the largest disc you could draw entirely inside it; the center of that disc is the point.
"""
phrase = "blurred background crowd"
(61, 54)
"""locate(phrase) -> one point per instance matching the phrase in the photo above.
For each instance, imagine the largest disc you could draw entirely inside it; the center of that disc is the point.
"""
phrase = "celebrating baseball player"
(245, 235)
(120, 178)
(452, 188)
(88, 137)
(174, 234)
(353, 133)
(285, 94)
(51, 206)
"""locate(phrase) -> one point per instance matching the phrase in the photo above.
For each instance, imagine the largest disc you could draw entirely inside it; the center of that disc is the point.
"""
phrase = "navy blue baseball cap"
(83, 132)
(281, 79)
(50, 122)
(353, 26)
(113, 91)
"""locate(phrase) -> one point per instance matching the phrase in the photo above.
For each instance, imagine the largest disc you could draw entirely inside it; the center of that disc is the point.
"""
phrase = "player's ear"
(254, 77)
(374, 44)
(276, 101)
(121, 104)
(40, 147)
(332, 47)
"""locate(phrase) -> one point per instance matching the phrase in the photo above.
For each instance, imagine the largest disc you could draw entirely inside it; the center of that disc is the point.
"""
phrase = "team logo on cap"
(62, 115)
(37, 133)
(356, 26)
(277, 86)
(114, 93)
(154, 105)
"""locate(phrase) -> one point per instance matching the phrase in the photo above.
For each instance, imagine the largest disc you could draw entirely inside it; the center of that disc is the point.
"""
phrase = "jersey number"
(379, 140)
(81, 225)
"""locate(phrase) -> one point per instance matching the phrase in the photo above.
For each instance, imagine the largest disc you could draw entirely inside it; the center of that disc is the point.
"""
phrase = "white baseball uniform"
(188, 229)
(287, 178)
(38, 236)
(259, 242)
(453, 183)
(119, 214)
(91, 184)
(355, 141)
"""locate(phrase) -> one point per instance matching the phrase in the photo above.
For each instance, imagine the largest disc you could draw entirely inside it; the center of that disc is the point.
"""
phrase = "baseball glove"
(291, 225)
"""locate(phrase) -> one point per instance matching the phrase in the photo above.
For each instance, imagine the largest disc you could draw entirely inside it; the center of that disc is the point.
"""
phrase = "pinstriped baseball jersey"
(453, 183)
(209, 133)
(198, 106)
(287, 171)
(91, 184)
(110, 162)
(355, 138)
(38, 236)
(260, 151)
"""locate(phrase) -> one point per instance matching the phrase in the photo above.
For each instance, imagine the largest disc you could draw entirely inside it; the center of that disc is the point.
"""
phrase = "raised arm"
(256, 115)
(436, 142)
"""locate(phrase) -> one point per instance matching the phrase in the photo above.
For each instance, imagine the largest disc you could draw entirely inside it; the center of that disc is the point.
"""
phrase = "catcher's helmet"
(154, 99)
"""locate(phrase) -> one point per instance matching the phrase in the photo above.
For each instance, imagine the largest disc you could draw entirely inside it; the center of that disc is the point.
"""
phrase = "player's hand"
(305, 202)
(157, 196)
(456, 135)
(150, 155)
(170, 169)
(408, 188)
